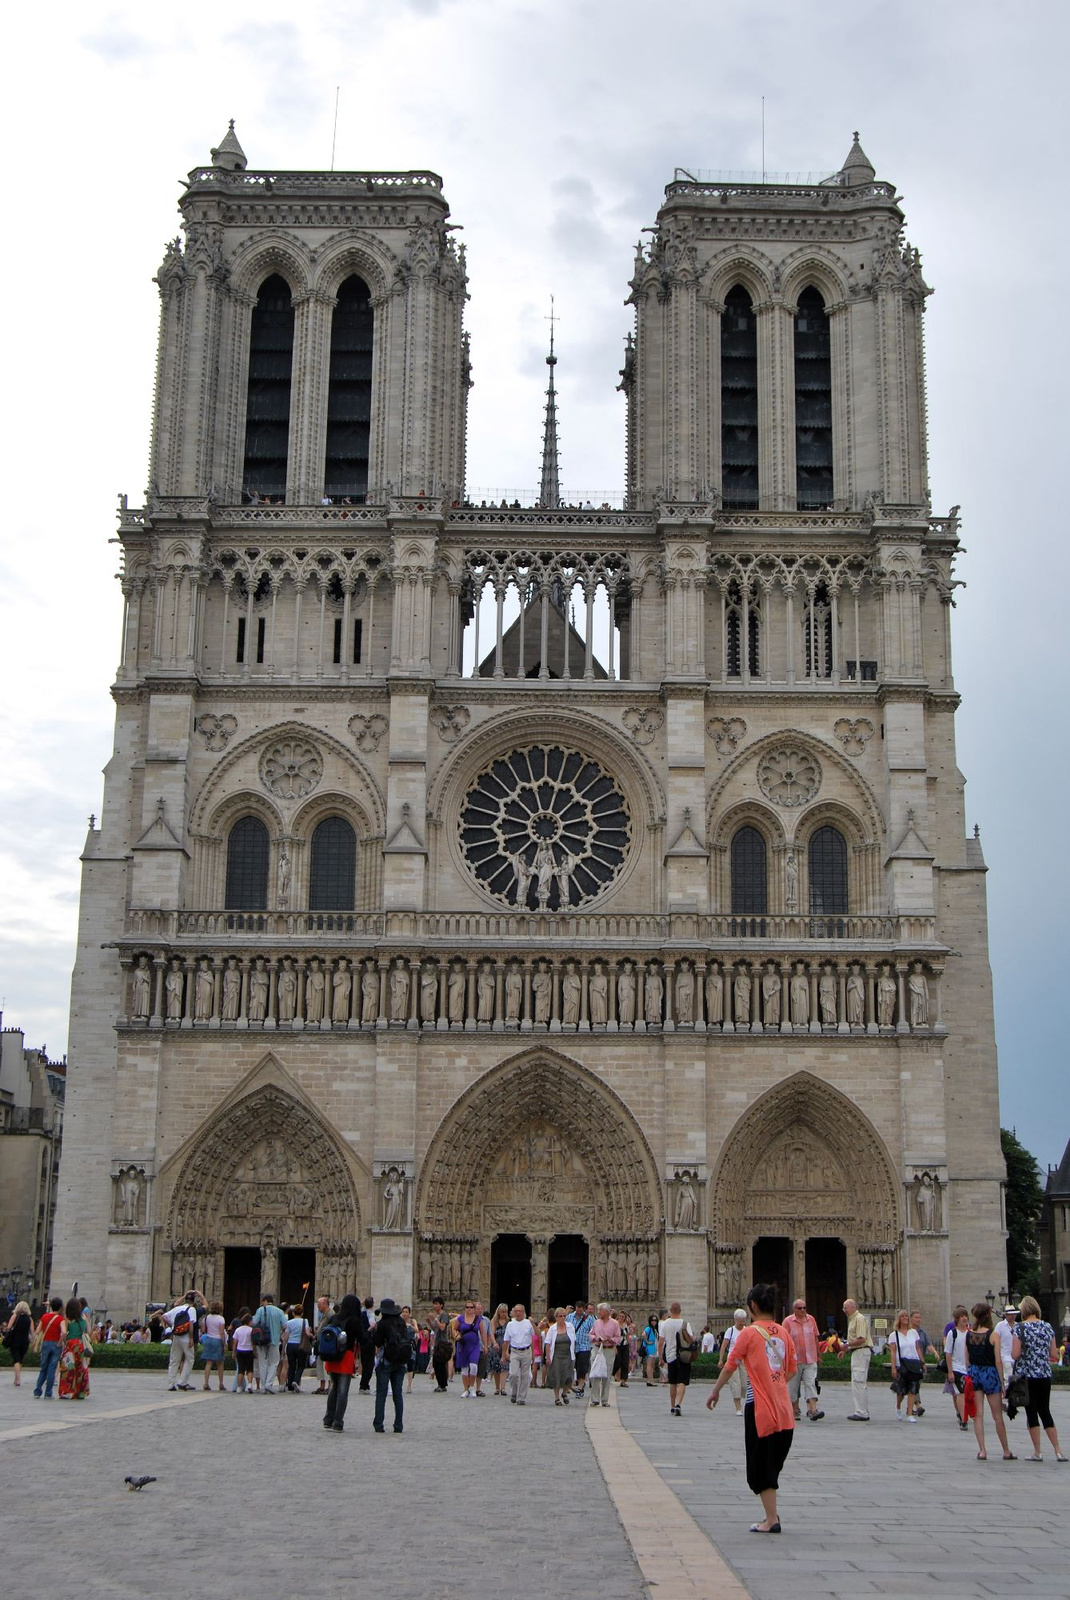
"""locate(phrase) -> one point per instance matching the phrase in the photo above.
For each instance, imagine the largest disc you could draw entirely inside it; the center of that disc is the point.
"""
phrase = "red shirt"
(51, 1323)
(804, 1337)
(767, 1369)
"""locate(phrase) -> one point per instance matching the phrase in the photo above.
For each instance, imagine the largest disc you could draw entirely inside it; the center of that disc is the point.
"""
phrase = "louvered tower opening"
(813, 404)
(739, 402)
(349, 399)
(267, 412)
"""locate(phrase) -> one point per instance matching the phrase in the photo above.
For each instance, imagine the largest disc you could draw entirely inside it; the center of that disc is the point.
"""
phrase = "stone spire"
(858, 168)
(229, 153)
(550, 486)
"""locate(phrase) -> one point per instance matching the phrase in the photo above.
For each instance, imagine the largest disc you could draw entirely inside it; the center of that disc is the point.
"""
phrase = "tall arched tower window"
(349, 398)
(813, 403)
(267, 410)
(247, 866)
(828, 873)
(739, 402)
(735, 631)
(334, 858)
(749, 877)
(817, 623)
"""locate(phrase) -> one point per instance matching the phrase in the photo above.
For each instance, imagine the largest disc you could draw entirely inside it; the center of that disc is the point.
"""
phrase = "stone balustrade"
(709, 992)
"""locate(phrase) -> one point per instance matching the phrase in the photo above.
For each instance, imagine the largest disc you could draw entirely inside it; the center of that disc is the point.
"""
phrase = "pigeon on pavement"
(138, 1483)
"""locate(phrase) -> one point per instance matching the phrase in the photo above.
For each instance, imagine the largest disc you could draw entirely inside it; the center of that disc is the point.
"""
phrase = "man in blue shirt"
(583, 1321)
(270, 1318)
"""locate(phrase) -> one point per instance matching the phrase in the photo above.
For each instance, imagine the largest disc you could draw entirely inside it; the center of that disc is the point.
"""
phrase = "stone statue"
(653, 995)
(720, 1268)
(514, 994)
(282, 898)
(425, 1272)
(800, 997)
(393, 1198)
(826, 996)
(626, 995)
(523, 879)
(925, 1199)
(741, 995)
(598, 996)
(714, 996)
(565, 868)
(399, 992)
(485, 993)
(129, 1196)
(771, 996)
(258, 991)
(886, 1278)
(142, 989)
(174, 986)
(203, 990)
(886, 997)
(686, 1203)
(571, 984)
(856, 997)
(541, 985)
(231, 991)
(918, 985)
(455, 993)
(791, 883)
(369, 996)
(867, 1278)
(684, 996)
(342, 983)
(428, 993)
(315, 988)
(545, 867)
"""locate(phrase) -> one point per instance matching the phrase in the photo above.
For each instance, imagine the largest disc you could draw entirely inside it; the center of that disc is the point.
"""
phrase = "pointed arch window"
(828, 873)
(735, 631)
(739, 402)
(349, 395)
(267, 409)
(817, 623)
(813, 403)
(247, 866)
(750, 896)
(334, 860)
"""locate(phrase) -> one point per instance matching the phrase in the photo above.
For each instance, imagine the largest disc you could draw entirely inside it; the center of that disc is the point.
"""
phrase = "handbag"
(599, 1365)
(1017, 1393)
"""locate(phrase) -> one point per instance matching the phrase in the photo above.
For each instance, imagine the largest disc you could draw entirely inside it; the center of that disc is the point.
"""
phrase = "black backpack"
(397, 1346)
(331, 1341)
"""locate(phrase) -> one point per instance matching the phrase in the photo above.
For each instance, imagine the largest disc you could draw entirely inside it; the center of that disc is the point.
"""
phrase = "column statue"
(485, 993)
(886, 987)
(455, 993)
(771, 996)
(826, 994)
(919, 997)
(684, 994)
(428, 993)
(399, 992)
(342, 983)
(570, 995)
(653, 996)
(714, 996)
(856, 997)
(598, 995)
(314, 992)
(741, 995)
(541, 988)
(231, 991)
(626, 995)
(800, 996)
(142, 1000)
(203, 988)
(258, 990)
(369, 996)
(174, 986)
(514, 993)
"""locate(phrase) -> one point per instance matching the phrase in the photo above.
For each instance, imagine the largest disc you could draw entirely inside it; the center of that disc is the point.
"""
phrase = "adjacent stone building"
(1054, 1234)
(32, 1092)
(535, 899)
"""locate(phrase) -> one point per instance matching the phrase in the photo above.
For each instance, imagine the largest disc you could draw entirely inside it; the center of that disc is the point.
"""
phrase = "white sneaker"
(910, 1419)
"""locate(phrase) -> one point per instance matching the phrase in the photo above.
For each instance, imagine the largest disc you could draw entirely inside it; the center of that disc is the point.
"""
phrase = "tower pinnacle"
(550, 486)
(228, 152)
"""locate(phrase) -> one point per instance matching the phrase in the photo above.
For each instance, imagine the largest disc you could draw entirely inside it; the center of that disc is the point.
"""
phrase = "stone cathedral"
(534, 899)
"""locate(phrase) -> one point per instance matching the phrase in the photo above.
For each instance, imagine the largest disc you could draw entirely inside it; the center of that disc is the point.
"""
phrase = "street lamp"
(990, 1296)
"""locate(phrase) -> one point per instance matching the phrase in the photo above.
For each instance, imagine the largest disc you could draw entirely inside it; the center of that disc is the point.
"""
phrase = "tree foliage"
(1025, 1199)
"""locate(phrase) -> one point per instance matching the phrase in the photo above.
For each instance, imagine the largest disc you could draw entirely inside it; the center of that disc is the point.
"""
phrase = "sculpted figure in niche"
(685, 995)
(714, 996)
(544, 869)
(399, 992)
(523, 879)
(686, 1203)
(232, 991)
(886, 1278)
(455, 993)
(425, 1272)
(393, 1198)
(142, 989)
(885, 997)
(800, 997)
(791, 883)
(485, 993)
(541, 991)
(653, 995)
(342, 983)
(258, 991)
(173, 986)
(741, 995)
(826, 996)
(626, 995)
(570, 995)
(925, 1198)
(771, 996)
(202, 992)
(314, 992)
(287, 991)
(369, 996)
(598, 995)
(514, 994)
(428, 993)
(856, 997)
(919, 997)
(867, 1278)
(566, 867)
(129, 1197)
(282, 899)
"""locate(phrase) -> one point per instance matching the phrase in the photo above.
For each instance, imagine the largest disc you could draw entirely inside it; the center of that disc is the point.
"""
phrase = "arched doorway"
(510, 1270)
(264, 1200)
(540, 1149)
(806, 1197)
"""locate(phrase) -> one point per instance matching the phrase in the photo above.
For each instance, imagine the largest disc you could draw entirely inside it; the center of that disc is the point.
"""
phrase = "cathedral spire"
(550, 486)
(228, 152)
(858, 168)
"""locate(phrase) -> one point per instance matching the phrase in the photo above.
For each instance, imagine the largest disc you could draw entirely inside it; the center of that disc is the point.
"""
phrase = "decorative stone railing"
(495, 989)
(348, 184)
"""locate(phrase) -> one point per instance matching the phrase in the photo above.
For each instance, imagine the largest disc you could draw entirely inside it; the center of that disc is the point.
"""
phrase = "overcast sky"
(555, 127)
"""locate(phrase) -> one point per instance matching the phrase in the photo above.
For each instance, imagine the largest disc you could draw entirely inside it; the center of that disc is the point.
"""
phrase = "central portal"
(566, 1278)
(510, 1270)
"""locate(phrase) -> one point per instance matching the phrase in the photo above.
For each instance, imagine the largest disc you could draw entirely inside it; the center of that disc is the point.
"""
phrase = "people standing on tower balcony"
(768, 1423)
(860, 1346)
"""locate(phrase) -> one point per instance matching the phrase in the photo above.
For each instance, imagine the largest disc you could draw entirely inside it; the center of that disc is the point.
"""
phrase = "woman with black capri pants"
(768, 1352)
(1035, 1352)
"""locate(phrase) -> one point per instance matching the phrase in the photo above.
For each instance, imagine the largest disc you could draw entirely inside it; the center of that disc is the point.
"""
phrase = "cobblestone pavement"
(880, 1508)
(254, 1497)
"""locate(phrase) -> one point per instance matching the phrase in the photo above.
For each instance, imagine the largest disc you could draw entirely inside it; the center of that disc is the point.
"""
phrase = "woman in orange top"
(768, 1423)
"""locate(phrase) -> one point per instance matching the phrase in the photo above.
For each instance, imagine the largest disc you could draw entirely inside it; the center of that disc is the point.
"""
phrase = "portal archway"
(805, 1171)
(542, 1149)
(264, 1175)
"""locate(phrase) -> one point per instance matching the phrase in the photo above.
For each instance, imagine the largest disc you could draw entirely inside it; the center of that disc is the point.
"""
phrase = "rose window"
(292, 768)
(545, 828)
(789, 776)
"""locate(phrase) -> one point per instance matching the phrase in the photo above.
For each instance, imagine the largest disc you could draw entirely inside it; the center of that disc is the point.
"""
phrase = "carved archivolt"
(236, 772)
(839, 775)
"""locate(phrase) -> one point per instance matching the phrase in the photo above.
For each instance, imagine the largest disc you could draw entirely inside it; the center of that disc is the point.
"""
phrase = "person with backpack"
(392, 1337)
(268, 1324)
(181, 1321)
(676, 1347)
(339, 1342)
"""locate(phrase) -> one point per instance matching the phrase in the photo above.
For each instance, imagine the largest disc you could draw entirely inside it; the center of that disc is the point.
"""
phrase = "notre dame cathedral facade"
(534, 899)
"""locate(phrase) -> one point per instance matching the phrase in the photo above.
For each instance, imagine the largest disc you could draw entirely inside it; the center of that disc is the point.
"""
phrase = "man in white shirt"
(1006, 1328)
(516, 1347)
(738, 1378)
(675, 1347)
(181, 1323)
(709, 1341)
